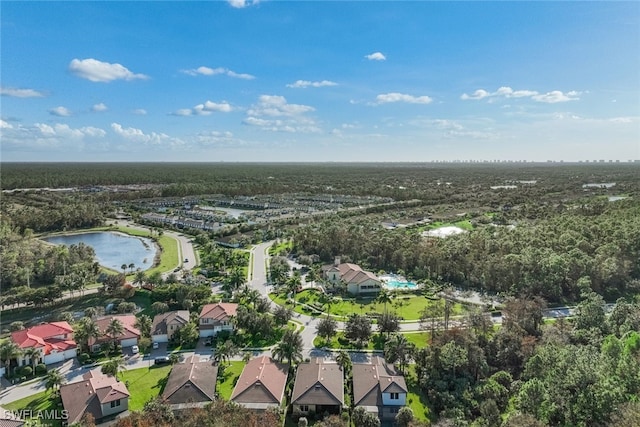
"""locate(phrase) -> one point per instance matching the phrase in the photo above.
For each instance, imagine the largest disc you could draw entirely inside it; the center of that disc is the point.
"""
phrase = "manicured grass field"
(419, 339)
(225, 385)
(38, 402)
(416, 399)
(408, 306)
(144, 384)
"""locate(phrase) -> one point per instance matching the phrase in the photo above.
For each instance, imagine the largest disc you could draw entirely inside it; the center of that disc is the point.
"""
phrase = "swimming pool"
(397, 282)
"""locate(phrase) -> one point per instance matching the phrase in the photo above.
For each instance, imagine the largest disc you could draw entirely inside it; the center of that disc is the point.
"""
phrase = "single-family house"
(261, 384)
(357, 280)
(98, 394)
(215, 318)
(129, 336)
(379, 388)
(191, 383)
(318, 388)
(166, 325)
(53, 340)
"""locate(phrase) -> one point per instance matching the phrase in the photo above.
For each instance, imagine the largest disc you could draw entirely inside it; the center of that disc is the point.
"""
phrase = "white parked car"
(155, 346)
(135, 349)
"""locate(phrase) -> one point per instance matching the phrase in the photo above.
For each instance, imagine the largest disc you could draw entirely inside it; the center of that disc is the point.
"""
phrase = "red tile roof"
(46, 336)
(220, 311)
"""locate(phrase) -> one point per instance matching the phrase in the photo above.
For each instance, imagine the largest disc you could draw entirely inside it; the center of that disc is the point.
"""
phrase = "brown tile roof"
(160, 321)
(87, 395)
(128, 322)
(191, 381)
(45, 336)
(352, 273)
(219, 311)
(263, 380)
(370, 380)
(318, 383)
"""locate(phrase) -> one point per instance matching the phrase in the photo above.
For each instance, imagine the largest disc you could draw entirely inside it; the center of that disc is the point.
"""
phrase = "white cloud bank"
(104, 72)
(376, 56)
(305, 84)
(386, 98)
(274, 113)
(552, 97)
(206, 71)
(20, 93)
(137, 135)
(205, 109)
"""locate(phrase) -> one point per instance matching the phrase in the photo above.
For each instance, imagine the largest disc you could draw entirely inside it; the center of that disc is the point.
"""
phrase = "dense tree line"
(29, 262)
(570, 373)
(550, 257)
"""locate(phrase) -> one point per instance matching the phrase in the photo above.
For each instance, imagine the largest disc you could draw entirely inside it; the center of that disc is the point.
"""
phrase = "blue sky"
(212, 81)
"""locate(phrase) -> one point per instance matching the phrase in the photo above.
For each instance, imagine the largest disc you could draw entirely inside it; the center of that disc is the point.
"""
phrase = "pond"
(113, 249)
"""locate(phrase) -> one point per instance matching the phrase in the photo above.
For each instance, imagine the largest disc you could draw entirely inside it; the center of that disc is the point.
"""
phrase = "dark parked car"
(162, 360)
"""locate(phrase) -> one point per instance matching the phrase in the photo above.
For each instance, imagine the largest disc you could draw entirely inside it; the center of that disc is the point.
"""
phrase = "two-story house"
(100, 395)
(379, 388)
(191, 384)
(215, 318)
(357, 280)
(54, 341)
(166, 325)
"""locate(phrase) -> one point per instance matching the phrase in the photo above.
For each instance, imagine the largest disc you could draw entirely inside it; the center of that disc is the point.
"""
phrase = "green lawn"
(38, 402)
(419, 339)
(225, 384)
(285, 246)
(416, 399)
(406, 305)
(144, 384)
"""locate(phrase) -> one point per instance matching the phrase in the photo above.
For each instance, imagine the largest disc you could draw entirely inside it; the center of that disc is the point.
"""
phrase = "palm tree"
(144, 323)
(399, 350)
(113, 366)
(9, 350)
(131, 267)
(139, 278)
(289, 348)
(384, 296)
(224, 351)
(54, 380)
(84, 331)
(124, 268)
(33, 354)
(344, 361)
(115, 328)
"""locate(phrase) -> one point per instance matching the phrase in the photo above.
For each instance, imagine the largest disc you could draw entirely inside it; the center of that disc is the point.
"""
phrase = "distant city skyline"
(306, 81)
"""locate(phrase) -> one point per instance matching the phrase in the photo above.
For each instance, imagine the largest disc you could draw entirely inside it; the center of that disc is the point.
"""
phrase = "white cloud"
(401, 97)
(239, 4)
(376, 56)
(205, 109)
(275, 105)
(59, 130)
(20, 93)
(60, 112)
(274, 113)
(206, 71)
(137, 135)
(556, 96)
(98, 71)
(140, 112)
(5, 125)
(98, 108)
(507, 92)
(305, 84)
